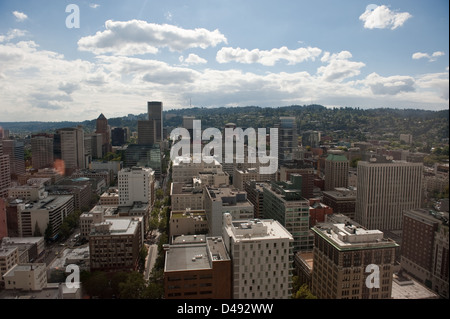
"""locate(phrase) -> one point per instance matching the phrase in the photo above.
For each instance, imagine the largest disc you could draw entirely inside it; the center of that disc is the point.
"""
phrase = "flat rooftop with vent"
(348, 235)
(194, 253)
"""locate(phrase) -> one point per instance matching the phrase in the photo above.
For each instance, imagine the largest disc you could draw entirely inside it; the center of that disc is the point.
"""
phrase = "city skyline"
(209, 54)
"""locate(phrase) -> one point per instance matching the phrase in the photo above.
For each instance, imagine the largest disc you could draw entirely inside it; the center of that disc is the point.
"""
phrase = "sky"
(72, 60)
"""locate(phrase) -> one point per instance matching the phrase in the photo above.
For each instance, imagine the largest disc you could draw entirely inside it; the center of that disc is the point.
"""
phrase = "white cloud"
(193, 59)
(339, 67)
(268, 58)
(20, 16)
(381, 17)
(139, 37)
(391, 85)
(94, 5)
(431, 58)
(437, 82)
(12, 34)
(118, 85)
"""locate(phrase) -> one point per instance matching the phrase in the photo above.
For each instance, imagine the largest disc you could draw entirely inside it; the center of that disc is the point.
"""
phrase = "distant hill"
(341, 123)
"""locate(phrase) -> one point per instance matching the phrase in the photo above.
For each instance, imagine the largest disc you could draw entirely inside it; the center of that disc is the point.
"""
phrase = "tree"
(354, 162)
(159, 194)
(48, 234)
(133, 287)
(304, 293)
(64, 230)
(96, 284)
(37, 231)
(153, 291)
(142, 255)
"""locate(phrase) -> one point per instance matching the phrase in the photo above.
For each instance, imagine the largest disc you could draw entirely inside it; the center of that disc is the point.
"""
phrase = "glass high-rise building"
(287, 139)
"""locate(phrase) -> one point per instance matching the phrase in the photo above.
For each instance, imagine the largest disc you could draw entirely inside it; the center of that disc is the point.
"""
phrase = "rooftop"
(254, 229)
(195, 256)
(116, 226)
(408, 288)
(185, 188)
(49, 203)
(229, 196)
(344, 236)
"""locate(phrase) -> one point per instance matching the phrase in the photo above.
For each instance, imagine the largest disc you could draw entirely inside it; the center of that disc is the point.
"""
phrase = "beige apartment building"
(29, 277)
(110, 197)
(187, 222)
(262, 253)
(9, 256)
(185, 195)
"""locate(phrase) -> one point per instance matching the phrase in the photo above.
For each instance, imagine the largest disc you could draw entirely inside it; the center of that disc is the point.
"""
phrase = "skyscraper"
(5, 173)
(385, 191)
(72, 147)
(42, 150)
(287, 139)
(150, 130)
(103, 128)
(118, 136)
(155, 110)
(336, 170)
(16, 152)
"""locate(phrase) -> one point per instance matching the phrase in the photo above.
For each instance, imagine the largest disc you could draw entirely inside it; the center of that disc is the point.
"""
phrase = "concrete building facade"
(261, 251)
(385, 191)
(344, 257)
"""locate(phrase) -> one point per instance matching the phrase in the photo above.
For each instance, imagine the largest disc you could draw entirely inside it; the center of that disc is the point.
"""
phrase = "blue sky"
(220, 53)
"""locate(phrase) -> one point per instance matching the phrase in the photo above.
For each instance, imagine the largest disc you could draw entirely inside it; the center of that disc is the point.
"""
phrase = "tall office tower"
(155, 111)
(42, 150)
(287, 139)
(283, 202)
(261, 251)
(56, 146)
(96, 140)
(72, 147)
(15, 150)
(118, 136)
(344, 257)
(385, 191)
(146, 132)
(188, 124)
(424, 249)
(5, 173)
(3, 222)
(336, 170)
(136, 184)
(104, 129)
(311, 138)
